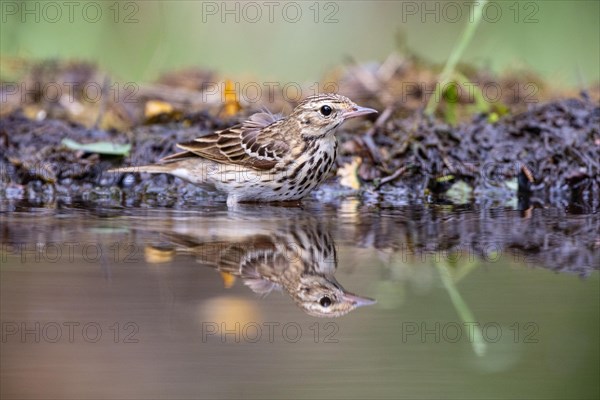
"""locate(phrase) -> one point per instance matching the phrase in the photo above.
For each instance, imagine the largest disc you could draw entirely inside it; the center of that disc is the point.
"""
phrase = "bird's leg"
(232, 200)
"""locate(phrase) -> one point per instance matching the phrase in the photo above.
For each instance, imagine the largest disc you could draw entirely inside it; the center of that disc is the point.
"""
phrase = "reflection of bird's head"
(322, 296)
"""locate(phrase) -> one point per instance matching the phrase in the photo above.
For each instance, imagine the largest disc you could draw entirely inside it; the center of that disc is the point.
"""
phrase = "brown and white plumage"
(256, 143)
(299, 258)
(267, 157)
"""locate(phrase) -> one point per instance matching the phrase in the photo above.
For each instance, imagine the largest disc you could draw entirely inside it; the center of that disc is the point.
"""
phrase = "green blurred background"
(139, 40)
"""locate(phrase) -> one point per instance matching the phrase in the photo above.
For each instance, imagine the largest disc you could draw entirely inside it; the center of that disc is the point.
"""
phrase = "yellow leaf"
(34, 112)
(444, 178)
(156, 255)
(232, 105)
(349, 174)
(156, 107)
(228, 279)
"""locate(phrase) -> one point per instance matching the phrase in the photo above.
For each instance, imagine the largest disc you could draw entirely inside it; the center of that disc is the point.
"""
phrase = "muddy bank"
(544, 153)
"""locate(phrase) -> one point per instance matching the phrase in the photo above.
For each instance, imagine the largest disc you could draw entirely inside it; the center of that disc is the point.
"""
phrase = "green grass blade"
(457, 52)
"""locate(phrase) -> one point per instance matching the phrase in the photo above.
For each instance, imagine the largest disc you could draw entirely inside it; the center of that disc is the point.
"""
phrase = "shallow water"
(471, 303)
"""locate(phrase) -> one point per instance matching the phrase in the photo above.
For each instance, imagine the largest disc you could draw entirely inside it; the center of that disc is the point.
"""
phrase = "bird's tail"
(152, 169)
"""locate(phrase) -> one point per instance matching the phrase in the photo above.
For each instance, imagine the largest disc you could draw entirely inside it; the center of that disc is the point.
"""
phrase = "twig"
(392, 177)
(367, 141)
(367, 138)
(382, 119)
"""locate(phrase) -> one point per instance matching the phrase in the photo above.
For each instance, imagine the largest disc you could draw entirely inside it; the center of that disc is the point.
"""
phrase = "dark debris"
(551, 150)
(545, 153)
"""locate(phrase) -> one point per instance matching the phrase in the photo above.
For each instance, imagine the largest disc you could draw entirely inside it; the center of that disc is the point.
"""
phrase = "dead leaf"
(232, 105)
(154, 108)
(348, 174)
(228, 280)
(156, 255)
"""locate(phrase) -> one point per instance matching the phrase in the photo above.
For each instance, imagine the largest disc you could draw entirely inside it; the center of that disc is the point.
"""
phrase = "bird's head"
(319, 115)
(322, 296)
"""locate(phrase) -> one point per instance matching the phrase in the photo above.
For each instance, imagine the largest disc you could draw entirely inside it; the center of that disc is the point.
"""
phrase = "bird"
(268, 157)
(299, 258)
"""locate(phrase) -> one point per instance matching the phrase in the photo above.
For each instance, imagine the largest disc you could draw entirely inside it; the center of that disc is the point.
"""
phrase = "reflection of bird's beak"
(358, 111)
(358, 301)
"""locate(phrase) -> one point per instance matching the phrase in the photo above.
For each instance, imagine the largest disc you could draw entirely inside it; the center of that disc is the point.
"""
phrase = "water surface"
(471, 303)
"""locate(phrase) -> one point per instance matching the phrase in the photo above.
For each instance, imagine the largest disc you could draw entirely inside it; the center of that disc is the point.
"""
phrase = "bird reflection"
(298, 258)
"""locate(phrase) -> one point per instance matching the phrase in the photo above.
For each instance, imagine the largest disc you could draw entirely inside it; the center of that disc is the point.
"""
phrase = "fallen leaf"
(156, 107)
(348, 174)
(232, 105)
(228, 280)
(459, 193)
(108, 148)
(156, 255)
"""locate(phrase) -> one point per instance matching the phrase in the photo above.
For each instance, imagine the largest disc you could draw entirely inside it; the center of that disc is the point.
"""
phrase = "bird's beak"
(358, 301)
(358, 111)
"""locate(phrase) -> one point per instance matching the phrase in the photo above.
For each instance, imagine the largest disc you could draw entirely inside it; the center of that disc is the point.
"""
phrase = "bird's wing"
(256, 143)
(256, 261)
(253, 260)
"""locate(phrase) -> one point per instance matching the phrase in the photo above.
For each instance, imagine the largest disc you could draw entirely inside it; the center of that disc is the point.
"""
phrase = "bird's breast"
(310, 168)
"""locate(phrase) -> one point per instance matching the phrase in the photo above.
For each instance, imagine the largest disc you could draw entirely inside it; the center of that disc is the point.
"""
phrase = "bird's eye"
(325, 301)
(326, 110)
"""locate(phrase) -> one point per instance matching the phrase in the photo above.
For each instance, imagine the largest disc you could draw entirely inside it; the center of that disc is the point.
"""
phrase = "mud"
(543, 153)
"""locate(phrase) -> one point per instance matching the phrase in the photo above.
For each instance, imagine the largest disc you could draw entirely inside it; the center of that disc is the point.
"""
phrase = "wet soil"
(544, 153)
